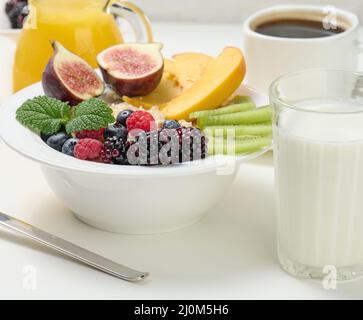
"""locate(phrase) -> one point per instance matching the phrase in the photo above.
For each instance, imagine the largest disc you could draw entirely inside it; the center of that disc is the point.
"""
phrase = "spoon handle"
(72, 250)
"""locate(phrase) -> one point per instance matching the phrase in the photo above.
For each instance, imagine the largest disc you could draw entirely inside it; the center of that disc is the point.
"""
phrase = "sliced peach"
(189, 67)
(222, 76)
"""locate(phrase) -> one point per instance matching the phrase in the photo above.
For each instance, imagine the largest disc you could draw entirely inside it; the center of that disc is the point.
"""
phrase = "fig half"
(69, 78)
(132, 69)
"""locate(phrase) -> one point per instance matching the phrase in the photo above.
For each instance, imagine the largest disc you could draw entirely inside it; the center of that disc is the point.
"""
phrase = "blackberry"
(192, 143)
(16, 11)
(168, 146)
(145, 149)
(115, 150)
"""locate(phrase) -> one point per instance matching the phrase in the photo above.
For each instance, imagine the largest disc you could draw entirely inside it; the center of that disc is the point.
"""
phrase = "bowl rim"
(30, 145)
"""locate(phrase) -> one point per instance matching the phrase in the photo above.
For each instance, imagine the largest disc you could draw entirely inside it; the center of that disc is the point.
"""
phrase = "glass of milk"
(318, 155)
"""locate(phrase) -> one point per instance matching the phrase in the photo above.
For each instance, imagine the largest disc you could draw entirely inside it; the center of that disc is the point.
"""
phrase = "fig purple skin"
(64, 66)
(144, 58)
(133, 87)
(53, 87)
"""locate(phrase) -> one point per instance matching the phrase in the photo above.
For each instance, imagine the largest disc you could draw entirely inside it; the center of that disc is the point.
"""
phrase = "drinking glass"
(318, 156)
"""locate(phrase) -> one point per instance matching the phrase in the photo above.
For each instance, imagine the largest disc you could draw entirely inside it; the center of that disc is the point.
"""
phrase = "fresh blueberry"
(45, 136)
(116, 130)
(171, 124)
(57, 140)
(69, 145)
(122, 117)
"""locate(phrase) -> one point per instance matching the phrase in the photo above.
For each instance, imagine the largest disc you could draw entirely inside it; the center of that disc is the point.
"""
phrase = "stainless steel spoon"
(72, 250)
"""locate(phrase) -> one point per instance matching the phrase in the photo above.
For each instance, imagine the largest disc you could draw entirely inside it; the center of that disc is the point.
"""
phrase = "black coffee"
(295, 28)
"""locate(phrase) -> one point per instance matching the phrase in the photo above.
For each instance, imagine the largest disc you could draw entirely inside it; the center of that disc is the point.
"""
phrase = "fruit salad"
(161, 112)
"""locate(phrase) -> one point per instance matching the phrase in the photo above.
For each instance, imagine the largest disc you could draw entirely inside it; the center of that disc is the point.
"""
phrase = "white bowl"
(126, 199)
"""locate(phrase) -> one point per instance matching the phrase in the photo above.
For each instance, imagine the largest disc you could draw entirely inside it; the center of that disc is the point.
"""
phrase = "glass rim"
(273, 90)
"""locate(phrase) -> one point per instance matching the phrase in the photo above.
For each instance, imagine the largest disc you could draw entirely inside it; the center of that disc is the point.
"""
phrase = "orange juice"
(82, 26)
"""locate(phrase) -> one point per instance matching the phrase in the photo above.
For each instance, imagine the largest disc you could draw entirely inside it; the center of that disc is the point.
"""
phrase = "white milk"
(319, 171)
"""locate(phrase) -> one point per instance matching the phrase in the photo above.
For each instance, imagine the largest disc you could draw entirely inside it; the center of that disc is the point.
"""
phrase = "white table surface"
(231, 254)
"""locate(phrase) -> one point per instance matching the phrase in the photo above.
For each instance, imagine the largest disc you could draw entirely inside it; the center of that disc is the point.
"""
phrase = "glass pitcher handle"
(134, 16)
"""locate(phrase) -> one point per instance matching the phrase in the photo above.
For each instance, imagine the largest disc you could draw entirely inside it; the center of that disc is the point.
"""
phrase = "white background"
(225, 10)
(230, 254)
(215, 10)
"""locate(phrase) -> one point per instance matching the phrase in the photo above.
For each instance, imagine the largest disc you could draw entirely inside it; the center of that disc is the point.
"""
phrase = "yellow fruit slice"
(167, 90)
(179, 75)
(189, 67)
(220, 79)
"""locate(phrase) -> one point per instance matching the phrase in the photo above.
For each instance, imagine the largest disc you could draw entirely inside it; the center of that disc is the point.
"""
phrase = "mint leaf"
(43, 114)
(92, 114)
(48, 115)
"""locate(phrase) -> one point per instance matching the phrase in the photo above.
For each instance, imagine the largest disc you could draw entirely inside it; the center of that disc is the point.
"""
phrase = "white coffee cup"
(269, 57)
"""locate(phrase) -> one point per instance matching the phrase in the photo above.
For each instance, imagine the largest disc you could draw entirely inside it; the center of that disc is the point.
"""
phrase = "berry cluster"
(133, 140)
(115, 150)
(167, 146)
(16, 11)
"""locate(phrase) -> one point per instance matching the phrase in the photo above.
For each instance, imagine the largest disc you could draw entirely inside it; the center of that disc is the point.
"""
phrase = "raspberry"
(88, 149)
(141, 120)
(92, 134)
